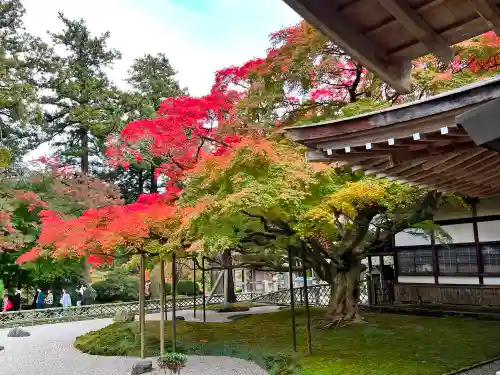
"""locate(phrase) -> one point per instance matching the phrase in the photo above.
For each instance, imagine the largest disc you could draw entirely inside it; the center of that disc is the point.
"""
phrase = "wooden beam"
(412, 21)
(426, 167)
(317, 156)
(457, 162)
(325, 17)
(488, 12)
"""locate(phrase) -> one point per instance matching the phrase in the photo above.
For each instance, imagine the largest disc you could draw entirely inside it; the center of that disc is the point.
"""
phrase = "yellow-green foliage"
(272, 179)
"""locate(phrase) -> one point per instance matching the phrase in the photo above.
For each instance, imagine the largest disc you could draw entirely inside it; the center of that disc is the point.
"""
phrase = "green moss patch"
(385, 345)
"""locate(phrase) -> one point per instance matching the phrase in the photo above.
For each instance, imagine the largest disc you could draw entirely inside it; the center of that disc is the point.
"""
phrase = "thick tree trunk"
(84, 138)
(140, 188)
(153, 182)
(225, 260)
(344, 297)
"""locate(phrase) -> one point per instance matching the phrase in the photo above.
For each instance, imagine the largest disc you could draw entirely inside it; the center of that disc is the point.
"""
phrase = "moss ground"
(385, 345)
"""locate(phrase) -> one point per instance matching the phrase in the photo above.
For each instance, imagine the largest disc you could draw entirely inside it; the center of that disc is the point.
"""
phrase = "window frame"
(414, 249)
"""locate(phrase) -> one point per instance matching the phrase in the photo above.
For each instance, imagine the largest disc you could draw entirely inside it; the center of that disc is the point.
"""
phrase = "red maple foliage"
(182, 132)
(98, 232)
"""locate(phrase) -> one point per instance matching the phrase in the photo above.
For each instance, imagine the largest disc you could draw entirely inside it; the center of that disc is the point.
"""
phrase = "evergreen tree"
(85, 103)
(24, 62)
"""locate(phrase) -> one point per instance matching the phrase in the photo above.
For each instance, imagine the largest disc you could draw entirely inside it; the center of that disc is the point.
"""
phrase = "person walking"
(85, 295)
(16, 301)
(65, 299)
(7, 303)
(49, 299)
(35, 298)
(40, 299)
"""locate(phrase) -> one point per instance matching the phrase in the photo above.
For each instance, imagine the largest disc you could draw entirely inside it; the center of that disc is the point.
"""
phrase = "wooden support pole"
(195, 292)
(174, 287)
(308, 313)
(226, 287)
(292, 300)
(142, 305)
(162, 307)
(203, 282)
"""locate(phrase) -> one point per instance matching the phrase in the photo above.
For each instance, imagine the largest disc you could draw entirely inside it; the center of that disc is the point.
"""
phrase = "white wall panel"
(488, 206)
(460, 233)
(462, 280)
(456, 211)
(416, 279)
(407, 239)
(491, 280)
(489, 230)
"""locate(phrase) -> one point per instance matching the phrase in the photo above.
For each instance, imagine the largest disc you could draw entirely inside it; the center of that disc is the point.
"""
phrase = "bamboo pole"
(292, 301)
(308, 313)
(162, 307)
(203, 282)
(195, 292)
(174, 287)
(142, 305)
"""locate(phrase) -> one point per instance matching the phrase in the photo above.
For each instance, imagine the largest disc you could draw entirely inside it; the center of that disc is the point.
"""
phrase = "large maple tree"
(262, 199)
(245, 193)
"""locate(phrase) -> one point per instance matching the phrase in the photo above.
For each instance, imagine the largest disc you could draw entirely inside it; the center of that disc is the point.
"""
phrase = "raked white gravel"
(49, 351)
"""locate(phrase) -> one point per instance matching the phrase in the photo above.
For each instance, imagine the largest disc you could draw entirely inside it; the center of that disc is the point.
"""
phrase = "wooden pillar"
(142, 305)
(479, 253)
(369, 286)
(162, 307)
(243, 282)
(435, 259)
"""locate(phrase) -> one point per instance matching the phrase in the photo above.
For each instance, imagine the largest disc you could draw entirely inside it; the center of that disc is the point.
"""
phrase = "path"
(213, 316)
(49, 350)
(488, 369)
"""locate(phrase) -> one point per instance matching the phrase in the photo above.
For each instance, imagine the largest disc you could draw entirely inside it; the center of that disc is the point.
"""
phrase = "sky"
(198, 36)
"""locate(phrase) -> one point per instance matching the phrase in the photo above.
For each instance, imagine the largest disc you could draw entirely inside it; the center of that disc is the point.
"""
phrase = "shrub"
(117, 286)
(172, 361)
(117, 339)
(187, 287)
(238, 290)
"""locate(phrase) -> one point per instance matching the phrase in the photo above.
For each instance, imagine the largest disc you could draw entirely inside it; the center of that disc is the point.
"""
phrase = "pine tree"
(24, 62)
(86, 104)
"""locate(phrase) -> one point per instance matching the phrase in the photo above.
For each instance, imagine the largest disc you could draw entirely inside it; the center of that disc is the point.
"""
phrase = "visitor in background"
(85, 295)
(78, 296)
(40, 299)
(7, 303)
(35, 298)
(49, 300)
(16, 300)
(147, 290)
(65, 299)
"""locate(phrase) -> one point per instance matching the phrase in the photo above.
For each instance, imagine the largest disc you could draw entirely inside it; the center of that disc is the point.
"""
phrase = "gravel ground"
(489, 369)
(49, 350)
